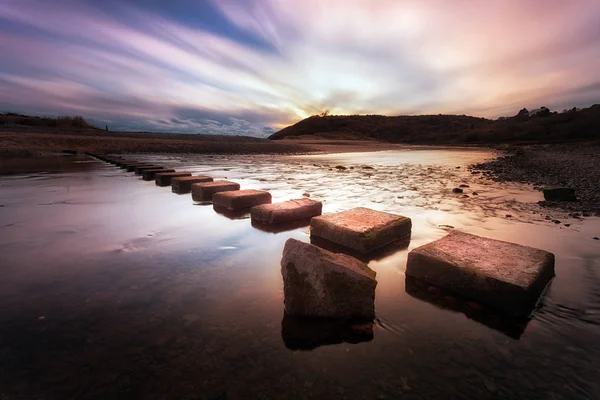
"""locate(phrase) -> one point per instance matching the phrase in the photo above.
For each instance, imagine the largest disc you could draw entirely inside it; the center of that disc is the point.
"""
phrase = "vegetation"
(46, 122)
(538, 126)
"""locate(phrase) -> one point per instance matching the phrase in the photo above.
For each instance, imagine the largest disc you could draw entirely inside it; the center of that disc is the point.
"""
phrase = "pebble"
(457, 190)
(306, 194)
(464, 186)
(475, 194)
(596, 238)
(340, 167)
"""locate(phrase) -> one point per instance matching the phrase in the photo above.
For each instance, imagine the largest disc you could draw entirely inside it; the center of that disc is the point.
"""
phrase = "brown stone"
(287, 211)
(164, 178)
(140, 169)
(205, 191)
(505, 275)
(149, 174)
(241, 199)
(318, 283)
(183, 184)
(361, 229)
(132, 167)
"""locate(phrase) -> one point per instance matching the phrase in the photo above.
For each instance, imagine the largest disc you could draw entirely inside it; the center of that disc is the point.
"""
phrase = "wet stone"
(133, 168)
(205, 191)
(241, 199)
(361, 229)
(507, 276)
(319, 283)
(287, 211)
(164, 178)
(149, 174)
(183, 184)
(142, 168)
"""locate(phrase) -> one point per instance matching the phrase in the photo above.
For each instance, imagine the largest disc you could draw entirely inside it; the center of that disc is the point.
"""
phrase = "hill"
(539, 126)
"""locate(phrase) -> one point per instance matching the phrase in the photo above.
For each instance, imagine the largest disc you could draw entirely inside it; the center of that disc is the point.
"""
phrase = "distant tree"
(523, 113)
(543, 112)
(324, 113)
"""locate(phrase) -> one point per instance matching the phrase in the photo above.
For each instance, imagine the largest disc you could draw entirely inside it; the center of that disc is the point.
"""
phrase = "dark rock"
(149, 174)
(596, 238)
(475, 194)
(164, 178)
(457, 190)
(183, 184)
(463, 186)
(559, 194)
(340, 168)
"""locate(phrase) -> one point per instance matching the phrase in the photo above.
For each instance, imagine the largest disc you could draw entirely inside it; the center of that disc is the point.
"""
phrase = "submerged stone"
(149, 174)
(504, 275)
(205, 191)
(361, 229)
(319, 283)
(287, 211)
(164, 178)
(183, 184)
(241, 199)
(559, 194)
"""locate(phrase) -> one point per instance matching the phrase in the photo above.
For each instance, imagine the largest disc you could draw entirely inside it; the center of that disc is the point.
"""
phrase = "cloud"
(243, 66)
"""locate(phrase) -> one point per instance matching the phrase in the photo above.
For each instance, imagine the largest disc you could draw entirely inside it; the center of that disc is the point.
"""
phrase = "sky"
(252, 67)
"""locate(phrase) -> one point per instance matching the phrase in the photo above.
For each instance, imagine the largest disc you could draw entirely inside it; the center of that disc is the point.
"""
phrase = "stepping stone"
(205, 191)
(127, 164)
(140, 169)
(288, 211)
(504, 275)
(164, 178)
(361, 229)
(149, 174)
(318, 283)
(241, 199)
(184, 184)
(133, 168)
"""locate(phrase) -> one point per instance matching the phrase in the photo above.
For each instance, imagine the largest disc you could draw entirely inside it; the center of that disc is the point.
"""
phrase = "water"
(111, 287)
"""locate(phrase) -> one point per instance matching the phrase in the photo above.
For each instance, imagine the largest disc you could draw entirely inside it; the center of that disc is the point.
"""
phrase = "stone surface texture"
(319, 283)
(361, 229)
(164, 178)
(148, 174)
(205, 191)
(504, 275)
(183, 184)
(287, 211)
(241, 199)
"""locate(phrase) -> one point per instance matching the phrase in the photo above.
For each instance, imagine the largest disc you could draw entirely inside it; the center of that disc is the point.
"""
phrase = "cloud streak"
(241, 66)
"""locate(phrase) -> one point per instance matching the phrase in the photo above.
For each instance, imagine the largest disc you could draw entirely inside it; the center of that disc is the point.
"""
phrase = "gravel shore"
(566, 165)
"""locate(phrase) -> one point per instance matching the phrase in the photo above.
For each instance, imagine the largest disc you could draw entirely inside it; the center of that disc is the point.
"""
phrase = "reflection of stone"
(241, 199)
(287, 211)
(510, 325)
(231, 214)
(148, 175)
(278, 228)
(306, 333)
(183, 184)
(378, 254)
(361, 229)
(318, 283)
(205, 191)
(505, 275)
(164, 178)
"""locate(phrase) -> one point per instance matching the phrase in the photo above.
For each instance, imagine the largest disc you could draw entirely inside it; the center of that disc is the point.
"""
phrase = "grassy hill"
(539, 126)
(44, 122)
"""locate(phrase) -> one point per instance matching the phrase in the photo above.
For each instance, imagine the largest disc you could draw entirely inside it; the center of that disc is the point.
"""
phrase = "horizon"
(254, 67)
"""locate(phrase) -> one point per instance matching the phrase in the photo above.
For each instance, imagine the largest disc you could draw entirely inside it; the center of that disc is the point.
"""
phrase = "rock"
(567, 225)
(457, 190)
(306, 194)
(367, 167)
(132, 167)
(463, 186)
(318, 283)
(361, 229)
(505, 275)
(465, 196)
(241, 199)
(556, 221)
(183, 184)
(287, 211)
(340, 168)
(559, 194)
(205, 191)
(148, 175)
(164, 178)
(475, 194)
(140, 168)
(596, 238)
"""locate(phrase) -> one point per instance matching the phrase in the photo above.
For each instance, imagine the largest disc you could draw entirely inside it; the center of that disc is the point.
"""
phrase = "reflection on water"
(111, 287)
(300, 333)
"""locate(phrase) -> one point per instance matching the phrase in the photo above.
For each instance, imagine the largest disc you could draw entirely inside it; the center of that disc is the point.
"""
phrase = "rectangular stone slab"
(139, 169)
(504, 275)
(287, 211)
(205, 191)
(241, 199)
(164, 178)
(132, 168)
(148, 175)
(361, 229)
(183, 184)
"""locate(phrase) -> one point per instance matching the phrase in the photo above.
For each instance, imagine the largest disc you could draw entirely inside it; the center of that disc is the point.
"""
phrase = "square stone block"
(240, 199)
(287, 211)
(504, 275)
(164, 178)
(149, 174)
(132, 167)
(139, 169)
(205, 191)
(183, 184)
(361, 229)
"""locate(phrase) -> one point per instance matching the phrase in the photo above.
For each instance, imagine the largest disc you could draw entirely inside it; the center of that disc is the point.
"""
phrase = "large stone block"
(504, 275)
(318, 283)
(241, 199)
(149, 174)
(287, 211)
(164, 178)
(361, 229)
(133, 167)
(183, 184)
(141, 168)
(205, 191)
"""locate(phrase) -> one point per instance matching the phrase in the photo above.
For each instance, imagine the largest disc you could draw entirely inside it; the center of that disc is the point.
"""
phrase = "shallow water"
(111, 287)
